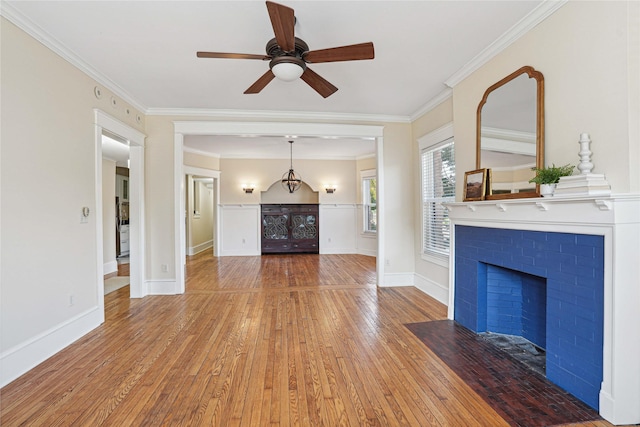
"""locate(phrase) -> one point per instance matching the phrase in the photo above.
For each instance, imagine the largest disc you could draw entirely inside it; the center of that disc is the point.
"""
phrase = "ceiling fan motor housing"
(280, 56)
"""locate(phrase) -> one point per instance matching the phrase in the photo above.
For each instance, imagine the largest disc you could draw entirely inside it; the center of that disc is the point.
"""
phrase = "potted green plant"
(549, 176)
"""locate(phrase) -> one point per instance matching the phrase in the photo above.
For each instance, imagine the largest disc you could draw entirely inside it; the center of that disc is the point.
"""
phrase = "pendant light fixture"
(290, 181)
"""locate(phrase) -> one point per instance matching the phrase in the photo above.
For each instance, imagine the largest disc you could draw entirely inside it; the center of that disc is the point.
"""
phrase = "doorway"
(268, 129)
(115, 210)
(200, 214)
(105, 124)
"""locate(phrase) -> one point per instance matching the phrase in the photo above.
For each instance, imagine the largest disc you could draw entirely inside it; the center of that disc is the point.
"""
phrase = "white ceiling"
(145, 51)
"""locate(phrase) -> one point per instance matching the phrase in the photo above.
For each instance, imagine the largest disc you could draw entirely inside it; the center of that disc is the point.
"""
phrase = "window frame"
(434, 140)
(368, 175)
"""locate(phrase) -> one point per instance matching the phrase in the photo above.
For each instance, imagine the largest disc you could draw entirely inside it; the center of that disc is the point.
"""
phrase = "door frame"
(182, 128)
(210, 173)
(135, 139)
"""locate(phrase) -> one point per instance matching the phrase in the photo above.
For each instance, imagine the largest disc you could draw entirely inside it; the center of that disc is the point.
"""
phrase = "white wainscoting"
(240, 230)
(338, 229)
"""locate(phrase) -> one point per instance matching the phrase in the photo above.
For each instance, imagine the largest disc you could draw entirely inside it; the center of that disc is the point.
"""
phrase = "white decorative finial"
(585, 166)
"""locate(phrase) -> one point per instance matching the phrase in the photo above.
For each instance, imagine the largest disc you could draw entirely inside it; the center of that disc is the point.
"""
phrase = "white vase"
(546, 190)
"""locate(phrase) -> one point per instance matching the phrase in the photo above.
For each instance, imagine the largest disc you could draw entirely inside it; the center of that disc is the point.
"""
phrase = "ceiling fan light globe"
(287, 71)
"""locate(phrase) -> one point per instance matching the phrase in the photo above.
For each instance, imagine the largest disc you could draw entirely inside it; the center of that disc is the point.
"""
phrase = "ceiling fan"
(288, 55)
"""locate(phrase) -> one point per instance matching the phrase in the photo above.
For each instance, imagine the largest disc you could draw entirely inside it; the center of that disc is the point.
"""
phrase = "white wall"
(49, 257)
(109, 216)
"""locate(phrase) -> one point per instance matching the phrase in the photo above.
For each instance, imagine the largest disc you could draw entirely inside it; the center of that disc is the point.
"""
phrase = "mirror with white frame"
(510, 134)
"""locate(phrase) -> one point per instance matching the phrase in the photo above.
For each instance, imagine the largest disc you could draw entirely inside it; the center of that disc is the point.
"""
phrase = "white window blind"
(438, 186)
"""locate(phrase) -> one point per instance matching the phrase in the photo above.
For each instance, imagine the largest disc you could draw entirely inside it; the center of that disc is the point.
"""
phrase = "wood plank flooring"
(275, 340)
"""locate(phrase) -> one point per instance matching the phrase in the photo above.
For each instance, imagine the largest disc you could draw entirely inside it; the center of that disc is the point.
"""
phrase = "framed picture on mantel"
(475, 185)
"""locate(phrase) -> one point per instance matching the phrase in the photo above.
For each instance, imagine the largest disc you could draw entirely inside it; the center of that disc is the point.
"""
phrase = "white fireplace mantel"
(615, 217)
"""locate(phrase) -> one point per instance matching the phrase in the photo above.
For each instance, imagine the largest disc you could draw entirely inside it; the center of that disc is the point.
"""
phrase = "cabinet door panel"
(275, 226)
(304, 226)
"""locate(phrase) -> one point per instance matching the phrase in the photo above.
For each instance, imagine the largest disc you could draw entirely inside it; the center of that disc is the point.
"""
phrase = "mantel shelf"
(560, 210)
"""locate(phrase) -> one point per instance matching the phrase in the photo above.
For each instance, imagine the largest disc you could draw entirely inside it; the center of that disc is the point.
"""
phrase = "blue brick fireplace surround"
(545, 286)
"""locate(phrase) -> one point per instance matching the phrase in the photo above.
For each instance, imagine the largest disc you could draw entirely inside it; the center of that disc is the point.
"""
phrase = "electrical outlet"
(329, 240)
(244, 241)
(72, 300)
(387, 262)
(164, 268)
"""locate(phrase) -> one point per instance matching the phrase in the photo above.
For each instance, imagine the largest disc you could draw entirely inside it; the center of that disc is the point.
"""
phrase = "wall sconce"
(248, 189)
(330, 189)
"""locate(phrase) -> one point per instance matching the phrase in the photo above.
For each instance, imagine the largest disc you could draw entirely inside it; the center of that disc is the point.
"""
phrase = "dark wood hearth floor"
(520, 395)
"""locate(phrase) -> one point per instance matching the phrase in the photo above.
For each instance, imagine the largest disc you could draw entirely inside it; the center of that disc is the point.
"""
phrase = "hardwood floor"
(275, 340)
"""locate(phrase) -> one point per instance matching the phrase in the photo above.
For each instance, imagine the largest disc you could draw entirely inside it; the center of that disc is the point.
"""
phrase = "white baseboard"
(397, 279)
(194, 250)
(337, 251)
(110, 267)
(20, 359)
(368, 252)
(240, 253)
(431, 288)
(161, 287)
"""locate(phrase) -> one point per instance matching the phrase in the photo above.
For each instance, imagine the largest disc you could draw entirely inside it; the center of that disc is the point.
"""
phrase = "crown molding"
(265, 114)
(536, 16)
(200, 152)
(433, 103)
(35, 31)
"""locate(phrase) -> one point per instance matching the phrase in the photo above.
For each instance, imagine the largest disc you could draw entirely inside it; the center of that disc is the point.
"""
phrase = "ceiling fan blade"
(232, 55)
(261, 82)
(352, 52)
(318, 83)
(283, 21)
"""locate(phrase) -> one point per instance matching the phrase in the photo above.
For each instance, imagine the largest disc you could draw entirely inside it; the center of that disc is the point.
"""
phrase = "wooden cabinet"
(289, 228)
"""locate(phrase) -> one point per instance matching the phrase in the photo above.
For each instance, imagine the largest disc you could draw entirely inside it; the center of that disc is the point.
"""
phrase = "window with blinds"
(438, 186)
(369, 196)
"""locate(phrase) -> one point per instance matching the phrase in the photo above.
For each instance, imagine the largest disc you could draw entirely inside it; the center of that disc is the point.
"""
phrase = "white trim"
(27, 355)
(109, 267)
(366, 252)
(435, 290)
(436, 136)
(392, 280)
(179, 211)
(381, 232)
(435, 258)
(161, 287)
(194, 250)
(536, 16)
(433, 103)
(200, 152)
(276, 115)
(277, 129)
